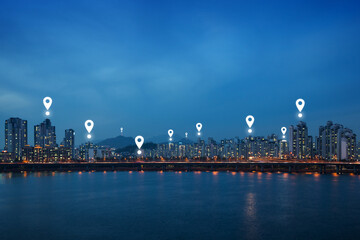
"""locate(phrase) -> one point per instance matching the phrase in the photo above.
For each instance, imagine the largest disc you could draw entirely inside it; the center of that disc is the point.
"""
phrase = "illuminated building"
(347, 146)
(336, 142)
(15, 136)
(46, 154)
(69, 141)
(44, 134)
(284, 149)
(6, 156)
(299, 141)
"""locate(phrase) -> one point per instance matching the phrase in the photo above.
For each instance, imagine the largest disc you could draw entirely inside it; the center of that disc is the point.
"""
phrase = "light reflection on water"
(183, 205)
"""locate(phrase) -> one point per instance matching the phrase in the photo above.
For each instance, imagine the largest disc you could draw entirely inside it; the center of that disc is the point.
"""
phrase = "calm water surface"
(169, 205)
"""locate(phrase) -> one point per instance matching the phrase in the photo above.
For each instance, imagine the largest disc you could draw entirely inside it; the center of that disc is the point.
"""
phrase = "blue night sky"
(149, 66)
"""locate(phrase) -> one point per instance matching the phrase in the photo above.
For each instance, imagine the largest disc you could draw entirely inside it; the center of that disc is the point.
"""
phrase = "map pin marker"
(89, 124)
(170, 132)
(198, 127)
(139, 140)
(47, 103)
(250, 121)
(300, 104)
(283, 130)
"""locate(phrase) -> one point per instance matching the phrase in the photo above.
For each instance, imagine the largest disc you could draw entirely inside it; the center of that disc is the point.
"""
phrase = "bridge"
(289, 167)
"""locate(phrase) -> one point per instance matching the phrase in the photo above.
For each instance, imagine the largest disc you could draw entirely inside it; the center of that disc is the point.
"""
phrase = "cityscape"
(333, 143)
(185, 120)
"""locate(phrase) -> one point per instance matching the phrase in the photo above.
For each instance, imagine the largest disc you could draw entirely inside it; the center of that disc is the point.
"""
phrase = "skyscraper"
(292, 139)
(15, 136)
(336, 142)
(299, 142)
(324, 140)
(44, 134)
(284, 149)
(347, 146)
(69, 141)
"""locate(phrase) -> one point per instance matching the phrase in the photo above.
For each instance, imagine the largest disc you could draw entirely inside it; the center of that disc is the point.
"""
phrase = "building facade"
(44, 134)
(15, 136)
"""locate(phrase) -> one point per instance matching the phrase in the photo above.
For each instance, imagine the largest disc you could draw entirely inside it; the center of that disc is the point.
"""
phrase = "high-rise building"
(336, 142)
(310, 147)
(69, 141)
(15, 136)
(347, 146)
(325, 140)
(273, 146)
(284, 149)
(44, 134)
(292, 139)
(298, 141)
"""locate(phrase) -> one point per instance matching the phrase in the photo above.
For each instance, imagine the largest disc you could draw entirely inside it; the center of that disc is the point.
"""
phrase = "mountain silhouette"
(117, 142)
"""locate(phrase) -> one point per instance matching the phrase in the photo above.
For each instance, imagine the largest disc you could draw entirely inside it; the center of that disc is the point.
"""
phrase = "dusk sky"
(149, 66)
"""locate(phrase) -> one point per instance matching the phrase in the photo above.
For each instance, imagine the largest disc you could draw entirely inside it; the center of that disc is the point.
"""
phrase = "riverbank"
(288, 167)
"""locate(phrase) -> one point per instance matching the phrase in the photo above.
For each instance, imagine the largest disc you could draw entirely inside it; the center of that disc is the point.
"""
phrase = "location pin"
(198, 127)
(250, 121)
(283, 130)
(47, 103)
(170, 132)
(89, 124)
(139, 140)
(186, 134)
(300, 104)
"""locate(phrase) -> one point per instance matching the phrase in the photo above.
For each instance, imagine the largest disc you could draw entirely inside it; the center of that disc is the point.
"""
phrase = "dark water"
(155, 205)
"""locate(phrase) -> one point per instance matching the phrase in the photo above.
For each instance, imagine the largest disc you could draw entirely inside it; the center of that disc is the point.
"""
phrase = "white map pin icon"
(139, 140)
(170, 132)
(198, 126)
(47, 103)
(283, 130)
(89, 124)
(250, 120)
(300, 104)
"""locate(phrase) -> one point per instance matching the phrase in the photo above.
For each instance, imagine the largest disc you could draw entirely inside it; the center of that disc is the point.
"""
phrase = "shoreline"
(281, 167)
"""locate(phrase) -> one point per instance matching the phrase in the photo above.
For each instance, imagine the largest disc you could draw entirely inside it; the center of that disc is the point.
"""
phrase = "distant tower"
(69, 141)
(122, 131)
(15, 136)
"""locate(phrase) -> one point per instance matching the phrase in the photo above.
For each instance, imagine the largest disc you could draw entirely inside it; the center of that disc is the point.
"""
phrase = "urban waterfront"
(162, 120)
(178, 205)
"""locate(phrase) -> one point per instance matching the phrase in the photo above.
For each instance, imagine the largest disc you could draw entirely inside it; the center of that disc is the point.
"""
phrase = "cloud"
(10, 101)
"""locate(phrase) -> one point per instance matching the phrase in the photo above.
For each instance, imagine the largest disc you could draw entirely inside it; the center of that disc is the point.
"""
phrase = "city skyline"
(82, 136)
(334, 143)
(213, 66)
(179, 119)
